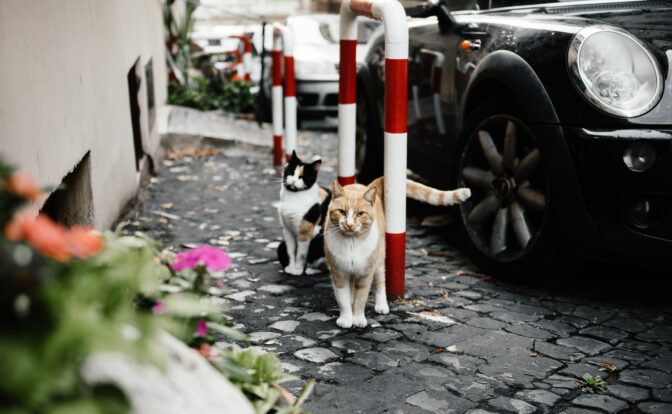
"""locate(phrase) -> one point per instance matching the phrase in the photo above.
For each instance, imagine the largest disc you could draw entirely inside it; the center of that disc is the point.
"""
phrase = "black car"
(558, 117)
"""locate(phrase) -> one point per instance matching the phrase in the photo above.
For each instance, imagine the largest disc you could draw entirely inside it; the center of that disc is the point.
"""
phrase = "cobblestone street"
(459, 341)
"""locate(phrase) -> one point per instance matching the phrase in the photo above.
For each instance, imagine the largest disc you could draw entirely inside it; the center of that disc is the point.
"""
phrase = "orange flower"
(22, 184)
(48, 238)
(84, 242)
(15, 229)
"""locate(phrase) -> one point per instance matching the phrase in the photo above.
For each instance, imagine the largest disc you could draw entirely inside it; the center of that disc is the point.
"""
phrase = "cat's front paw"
(359, 321)
(294, 270)
(344, 321)
(460, 195)
(382, 308)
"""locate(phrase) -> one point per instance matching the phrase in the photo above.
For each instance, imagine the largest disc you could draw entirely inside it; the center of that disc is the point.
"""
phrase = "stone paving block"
(529, 331)
(602, 333)
(518, 366)
(586, 345)
(374, 360)
(655, 408)
(663, 394)
(315, 355)
(538, 396)
(562, 353)
(285, 326)
(493, 343)
(646, 378)
(462, 364)
(602, 402)
(513, 405)
(442, 403)
(632, 394)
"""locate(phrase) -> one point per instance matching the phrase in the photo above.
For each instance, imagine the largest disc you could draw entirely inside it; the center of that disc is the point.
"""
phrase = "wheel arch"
(506, 73)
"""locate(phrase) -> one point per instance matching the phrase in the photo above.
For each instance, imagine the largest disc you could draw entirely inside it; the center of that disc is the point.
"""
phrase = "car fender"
(517, 76)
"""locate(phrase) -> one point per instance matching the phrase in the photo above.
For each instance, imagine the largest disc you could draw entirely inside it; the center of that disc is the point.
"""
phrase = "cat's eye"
(341, 212)
(360, 214)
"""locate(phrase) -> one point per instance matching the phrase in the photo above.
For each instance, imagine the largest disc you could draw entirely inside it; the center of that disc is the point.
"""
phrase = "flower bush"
(66, 293)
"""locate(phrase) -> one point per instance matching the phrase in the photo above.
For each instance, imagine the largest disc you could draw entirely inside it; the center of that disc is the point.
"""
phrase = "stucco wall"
(64, 90)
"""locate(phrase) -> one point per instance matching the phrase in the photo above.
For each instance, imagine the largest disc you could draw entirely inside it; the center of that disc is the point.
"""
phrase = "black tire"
(507, 224)
(369, 141)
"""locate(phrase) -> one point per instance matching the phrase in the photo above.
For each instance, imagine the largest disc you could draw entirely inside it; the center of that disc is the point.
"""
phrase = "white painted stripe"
(247, 62)
(290, 124)
(240, 68)
(347, 116)
(438, 113)
(276, 96)
(397, 50)
(348, 23)
(395, 182)
(396, 30)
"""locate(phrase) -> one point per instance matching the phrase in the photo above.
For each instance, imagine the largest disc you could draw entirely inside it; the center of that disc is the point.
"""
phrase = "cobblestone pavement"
(459, 341)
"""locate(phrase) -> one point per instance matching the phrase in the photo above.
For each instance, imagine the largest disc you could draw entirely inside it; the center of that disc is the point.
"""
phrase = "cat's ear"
(370, 195)
(294, 158)
(316, 165)
(338, 190)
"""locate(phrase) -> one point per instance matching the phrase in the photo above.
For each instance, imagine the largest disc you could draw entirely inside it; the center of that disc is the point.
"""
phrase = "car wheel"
(368, 156)
(506, 220)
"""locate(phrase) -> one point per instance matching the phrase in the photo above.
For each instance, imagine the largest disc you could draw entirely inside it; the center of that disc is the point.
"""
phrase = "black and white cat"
(302, 210)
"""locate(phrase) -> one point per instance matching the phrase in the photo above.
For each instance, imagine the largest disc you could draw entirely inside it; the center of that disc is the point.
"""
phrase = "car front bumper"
(317, 97)
(594, 193)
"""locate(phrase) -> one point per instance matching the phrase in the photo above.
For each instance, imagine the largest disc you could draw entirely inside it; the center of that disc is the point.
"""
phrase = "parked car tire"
(507, 222)
(368, 142)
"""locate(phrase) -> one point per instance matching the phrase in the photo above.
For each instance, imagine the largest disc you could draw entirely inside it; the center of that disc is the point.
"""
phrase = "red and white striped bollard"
(276, 97)
(392, 13)
(281, 32)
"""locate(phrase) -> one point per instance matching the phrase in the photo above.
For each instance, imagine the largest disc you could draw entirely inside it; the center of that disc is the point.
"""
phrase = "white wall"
(64, 90)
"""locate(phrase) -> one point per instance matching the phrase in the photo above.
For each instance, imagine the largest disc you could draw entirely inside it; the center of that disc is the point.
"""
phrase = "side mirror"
(440, 9)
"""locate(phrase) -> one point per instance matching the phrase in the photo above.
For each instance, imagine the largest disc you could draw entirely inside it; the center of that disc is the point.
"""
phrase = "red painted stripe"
(290, 83)
(276, 63)
(395, 264)
(396, 95)
(247, 77)
(277, 150)
(436, 80)
(346, 180)
(347, 68)
(248, 44)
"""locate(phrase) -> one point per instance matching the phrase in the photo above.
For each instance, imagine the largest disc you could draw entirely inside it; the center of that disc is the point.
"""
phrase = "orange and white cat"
(354, 242)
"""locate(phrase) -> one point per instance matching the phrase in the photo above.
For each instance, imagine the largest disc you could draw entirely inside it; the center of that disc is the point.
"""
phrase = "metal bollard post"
(393, 16)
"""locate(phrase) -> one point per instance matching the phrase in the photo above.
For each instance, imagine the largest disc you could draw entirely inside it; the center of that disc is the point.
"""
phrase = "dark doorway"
(72, 202)
(133, 88)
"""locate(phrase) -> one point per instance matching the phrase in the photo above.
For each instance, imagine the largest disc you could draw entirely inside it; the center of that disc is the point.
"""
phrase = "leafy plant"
(178, 42)
(238, 98)
(259, 376)
(592, 384)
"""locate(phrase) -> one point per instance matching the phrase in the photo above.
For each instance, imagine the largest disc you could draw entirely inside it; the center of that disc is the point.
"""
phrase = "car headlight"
(615, 71)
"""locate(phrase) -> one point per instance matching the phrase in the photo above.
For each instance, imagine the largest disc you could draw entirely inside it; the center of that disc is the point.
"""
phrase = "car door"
(432, 97)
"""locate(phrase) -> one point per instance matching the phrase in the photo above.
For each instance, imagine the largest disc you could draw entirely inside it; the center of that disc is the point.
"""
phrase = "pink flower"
(158, 308)
(210, 257)
(202, 329)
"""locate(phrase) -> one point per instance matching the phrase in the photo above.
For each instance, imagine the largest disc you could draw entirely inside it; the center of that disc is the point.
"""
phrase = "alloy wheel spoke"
(531, 198)
(520, 226)
(478, 178)
(491, 153)
(510, 146)
(527, 165)
(499, 228)
(483, 210)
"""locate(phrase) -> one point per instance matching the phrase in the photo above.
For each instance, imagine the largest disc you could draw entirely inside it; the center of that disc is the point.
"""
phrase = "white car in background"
(316, 54)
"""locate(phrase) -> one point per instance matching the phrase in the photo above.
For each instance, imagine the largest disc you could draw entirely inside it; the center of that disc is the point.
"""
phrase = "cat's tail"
(429, 195)
(435, 197)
